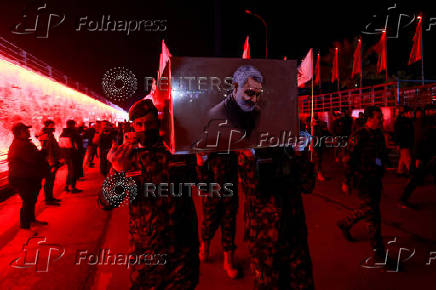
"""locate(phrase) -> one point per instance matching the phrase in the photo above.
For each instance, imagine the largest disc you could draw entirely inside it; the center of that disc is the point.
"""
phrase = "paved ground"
(81, 229)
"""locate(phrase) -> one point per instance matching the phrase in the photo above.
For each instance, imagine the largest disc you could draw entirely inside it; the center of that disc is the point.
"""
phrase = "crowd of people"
(30, 167)
(271, 179)
(365, 158)
(409, 137)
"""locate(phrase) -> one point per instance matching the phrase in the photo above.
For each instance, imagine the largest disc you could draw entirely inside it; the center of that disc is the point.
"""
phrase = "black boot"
(345, 231)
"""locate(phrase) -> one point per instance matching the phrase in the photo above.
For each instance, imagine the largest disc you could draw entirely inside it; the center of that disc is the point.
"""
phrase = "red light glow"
(29, 97)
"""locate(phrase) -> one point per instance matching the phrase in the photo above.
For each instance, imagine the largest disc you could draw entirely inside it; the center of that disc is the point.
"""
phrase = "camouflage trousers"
(369, 210)
(417, 177)
(220, 212)
(290, 267)
(279, 251)
(179, 271)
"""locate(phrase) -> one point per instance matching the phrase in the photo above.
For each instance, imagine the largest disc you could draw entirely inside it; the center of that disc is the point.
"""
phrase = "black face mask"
(149, 137)
(48, 130)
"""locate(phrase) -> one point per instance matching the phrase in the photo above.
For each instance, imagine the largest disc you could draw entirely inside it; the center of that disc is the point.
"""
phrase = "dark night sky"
(206, 28)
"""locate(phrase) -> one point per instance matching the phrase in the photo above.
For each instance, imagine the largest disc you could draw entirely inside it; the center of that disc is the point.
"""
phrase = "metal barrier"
(5, 190)
(21, 57)
(18, 56)
(384, 95)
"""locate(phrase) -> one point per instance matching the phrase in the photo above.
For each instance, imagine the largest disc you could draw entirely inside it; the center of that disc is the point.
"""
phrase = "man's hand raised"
(121, 157)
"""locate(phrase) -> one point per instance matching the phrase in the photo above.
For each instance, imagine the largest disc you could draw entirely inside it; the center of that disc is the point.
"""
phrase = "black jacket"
(229, 110)
(73, 135)
(366, 153)
(425, 147)
(403, 132)
(25, 160)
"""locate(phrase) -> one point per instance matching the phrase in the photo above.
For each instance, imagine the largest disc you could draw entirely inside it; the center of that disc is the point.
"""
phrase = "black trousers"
(28, 189)
(370, 190)
(72, 171)
(92, 151)
(79, 156)
(417, 177)
(105, 165)
(49, 183)
(319, 158)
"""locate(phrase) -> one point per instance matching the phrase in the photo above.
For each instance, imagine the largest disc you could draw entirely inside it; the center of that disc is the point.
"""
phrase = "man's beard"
(149, 137)
(246, 105)
(48, 130)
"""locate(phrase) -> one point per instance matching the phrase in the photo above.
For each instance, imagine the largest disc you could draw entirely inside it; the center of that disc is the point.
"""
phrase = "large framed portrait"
(222, 104)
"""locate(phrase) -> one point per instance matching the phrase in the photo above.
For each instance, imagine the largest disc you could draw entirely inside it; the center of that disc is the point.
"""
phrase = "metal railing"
(21, 57)
(18, 56)
(384, 95)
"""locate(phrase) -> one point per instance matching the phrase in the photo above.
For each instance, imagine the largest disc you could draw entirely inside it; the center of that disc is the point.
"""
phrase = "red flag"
(357, 56)
(335, 68)
(380, 48)
(317, 74)
(163, 99)
(305, 70)
(163, 60)
(152, 91)
(416, 53)
(246, 53)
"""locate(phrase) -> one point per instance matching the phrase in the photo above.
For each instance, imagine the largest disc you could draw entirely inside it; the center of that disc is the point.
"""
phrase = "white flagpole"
(422, 52)
(386, 54)
(311, 118)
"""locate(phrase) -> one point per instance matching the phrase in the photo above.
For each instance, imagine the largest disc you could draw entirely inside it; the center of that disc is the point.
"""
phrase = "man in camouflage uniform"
(164, 224)
(365, 161)
(220, 208)
(273, 180)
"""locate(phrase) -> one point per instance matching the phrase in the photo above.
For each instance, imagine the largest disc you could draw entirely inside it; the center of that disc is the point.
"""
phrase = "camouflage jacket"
(165, 223)
(272, 181)
(366, 153)
(219, 168)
